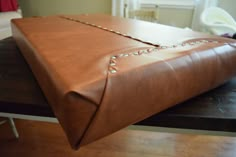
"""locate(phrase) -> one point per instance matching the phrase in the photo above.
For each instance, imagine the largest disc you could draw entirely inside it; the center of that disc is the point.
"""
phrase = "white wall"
(229, 6)
(177, 17)
(178, 13)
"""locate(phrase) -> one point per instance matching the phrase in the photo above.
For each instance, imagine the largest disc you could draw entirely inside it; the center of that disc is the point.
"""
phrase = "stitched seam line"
(113, 59)
(109, 30)
(157, 47)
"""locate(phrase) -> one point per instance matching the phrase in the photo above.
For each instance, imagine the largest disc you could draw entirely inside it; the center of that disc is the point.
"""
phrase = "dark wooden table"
(20, 94)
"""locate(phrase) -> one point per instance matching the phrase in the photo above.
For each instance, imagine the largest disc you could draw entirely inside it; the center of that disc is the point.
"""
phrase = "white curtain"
(200, 6)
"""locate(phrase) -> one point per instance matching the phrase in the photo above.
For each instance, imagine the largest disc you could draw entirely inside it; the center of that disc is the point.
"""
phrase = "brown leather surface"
(74, 64)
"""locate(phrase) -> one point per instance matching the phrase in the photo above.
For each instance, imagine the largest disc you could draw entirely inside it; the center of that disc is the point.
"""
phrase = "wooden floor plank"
(41, 139)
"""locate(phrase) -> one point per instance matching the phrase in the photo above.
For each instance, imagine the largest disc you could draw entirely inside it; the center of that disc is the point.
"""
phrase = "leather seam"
(110, 30)
(113, 59)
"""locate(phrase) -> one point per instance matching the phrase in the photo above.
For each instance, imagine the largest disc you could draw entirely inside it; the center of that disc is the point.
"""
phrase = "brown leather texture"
(102, 73)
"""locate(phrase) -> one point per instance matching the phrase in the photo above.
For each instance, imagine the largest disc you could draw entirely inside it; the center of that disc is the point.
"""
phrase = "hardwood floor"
(40, 139)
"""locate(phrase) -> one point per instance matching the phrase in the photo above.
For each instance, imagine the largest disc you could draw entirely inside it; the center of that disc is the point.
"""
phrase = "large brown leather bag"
(102, 73)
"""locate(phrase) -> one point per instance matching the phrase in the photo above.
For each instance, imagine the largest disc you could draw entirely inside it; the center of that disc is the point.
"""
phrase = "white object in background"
(218, 21)
(133, 4)
(122, 7)
(5, 22)
(200, 6)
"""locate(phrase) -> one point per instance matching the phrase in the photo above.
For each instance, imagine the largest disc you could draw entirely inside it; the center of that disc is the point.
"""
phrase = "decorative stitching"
(113, 60)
